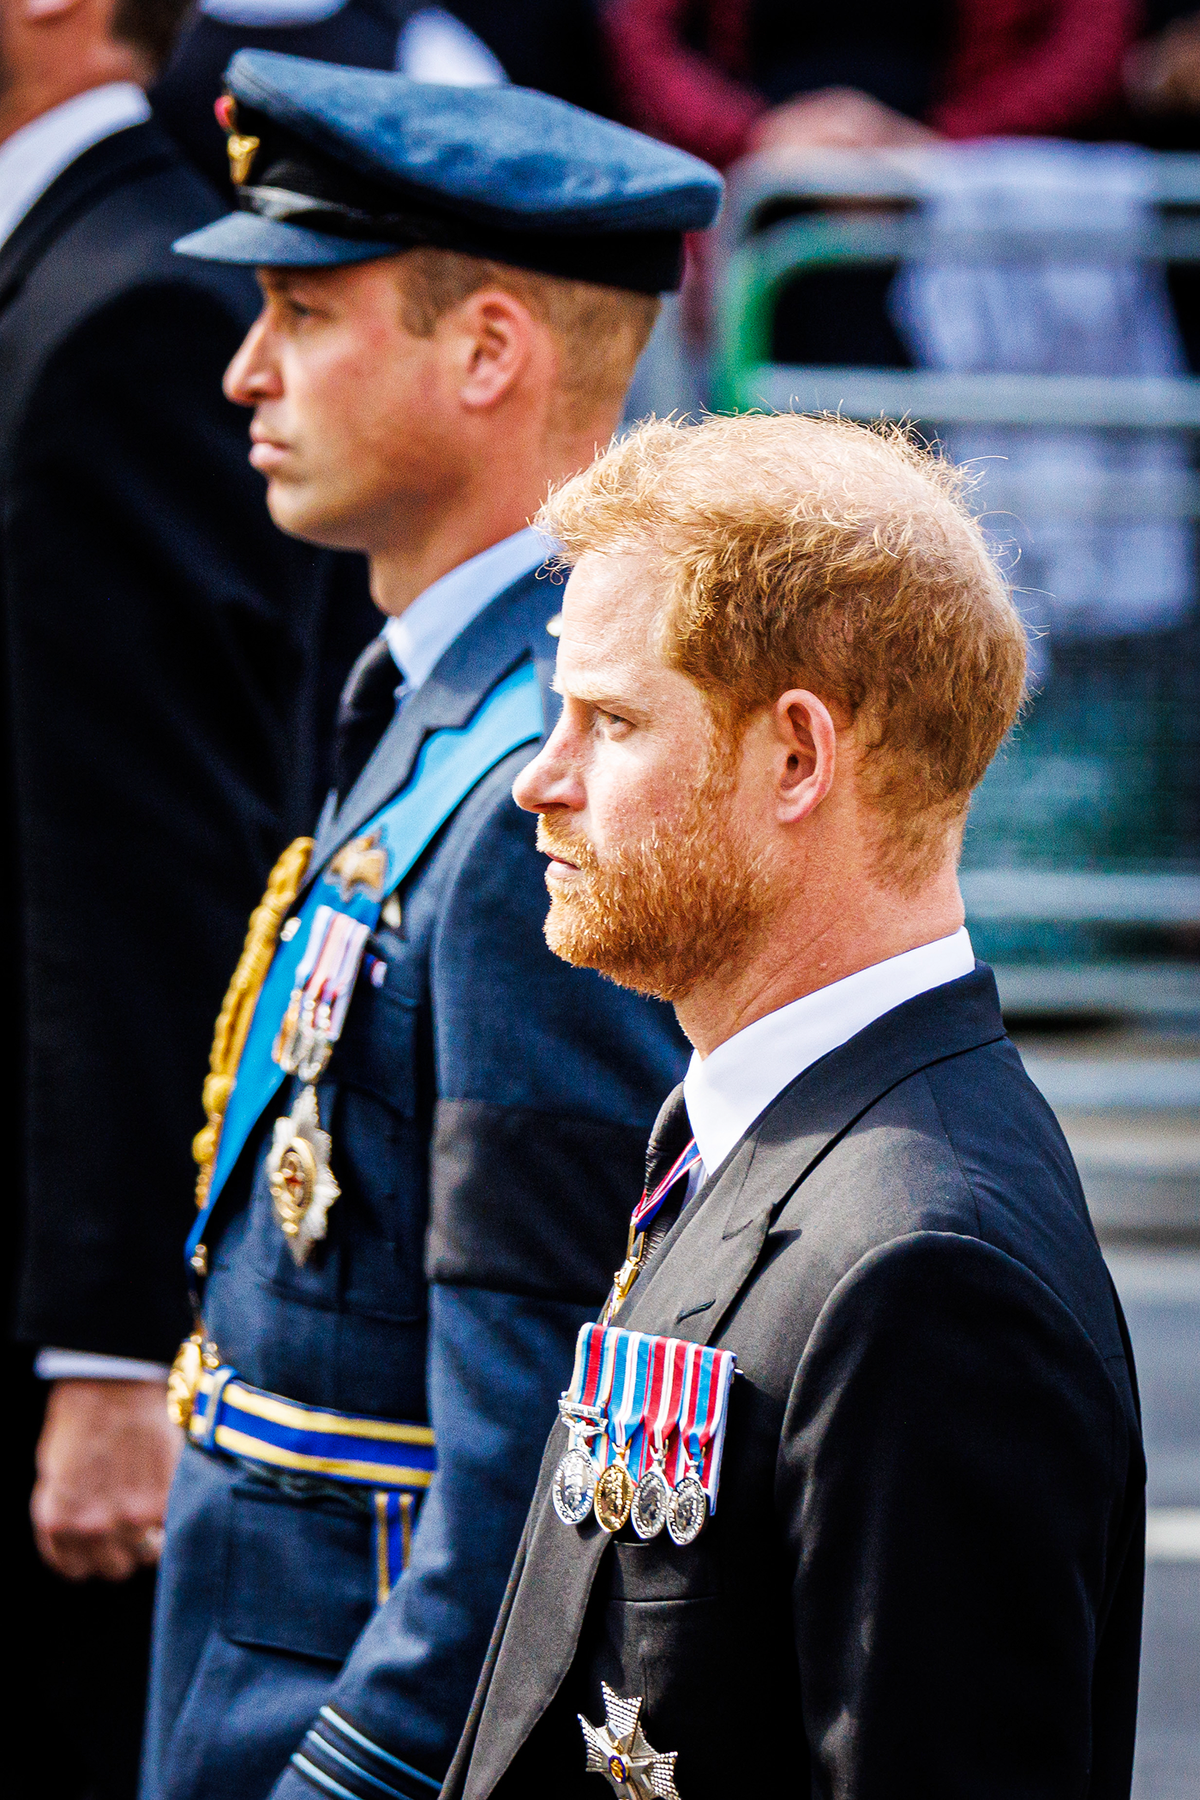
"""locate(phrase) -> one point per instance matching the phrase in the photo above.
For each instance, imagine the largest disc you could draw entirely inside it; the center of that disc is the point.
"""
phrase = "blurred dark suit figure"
(553, 45)
(161, 738)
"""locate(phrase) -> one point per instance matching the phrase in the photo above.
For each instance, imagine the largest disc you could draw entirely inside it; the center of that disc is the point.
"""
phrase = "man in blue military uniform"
(424, 1130)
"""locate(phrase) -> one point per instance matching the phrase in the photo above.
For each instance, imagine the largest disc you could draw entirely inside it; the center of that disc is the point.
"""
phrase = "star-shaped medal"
(302, 1184)
(618, 1750)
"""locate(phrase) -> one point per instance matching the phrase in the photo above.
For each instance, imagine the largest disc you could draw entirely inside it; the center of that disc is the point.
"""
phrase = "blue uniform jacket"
(489, 1108)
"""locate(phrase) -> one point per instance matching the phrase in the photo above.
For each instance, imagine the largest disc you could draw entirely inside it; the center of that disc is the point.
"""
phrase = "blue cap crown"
(339, 165)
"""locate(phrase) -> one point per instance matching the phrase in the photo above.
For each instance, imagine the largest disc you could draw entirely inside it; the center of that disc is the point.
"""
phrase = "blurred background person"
(163, 708)
(553, 45)
(731, 78)
(1162, 76)
(749, 75)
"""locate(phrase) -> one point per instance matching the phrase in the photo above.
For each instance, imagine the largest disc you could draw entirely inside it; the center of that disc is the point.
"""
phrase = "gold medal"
(302, 1183)
(614, 1496)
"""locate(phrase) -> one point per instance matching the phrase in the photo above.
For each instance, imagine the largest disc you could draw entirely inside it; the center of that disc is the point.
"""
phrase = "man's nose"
(549, 782)
(252, 375)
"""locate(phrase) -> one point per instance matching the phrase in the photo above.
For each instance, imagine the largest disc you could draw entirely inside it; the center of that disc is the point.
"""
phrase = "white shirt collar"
(427, 628)
(36, 155)
(725, 1092)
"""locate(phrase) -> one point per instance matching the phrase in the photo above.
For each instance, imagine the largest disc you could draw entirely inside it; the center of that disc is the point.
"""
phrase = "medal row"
(646, 1423)
(581, 1487)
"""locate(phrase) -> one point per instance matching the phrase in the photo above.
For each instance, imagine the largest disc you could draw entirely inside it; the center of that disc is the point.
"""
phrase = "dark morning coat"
(488, 1108)
(157, 636)
(924, 1576)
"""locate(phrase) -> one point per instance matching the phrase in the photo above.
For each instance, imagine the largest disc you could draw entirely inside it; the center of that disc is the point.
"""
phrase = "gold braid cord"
(233, 1021)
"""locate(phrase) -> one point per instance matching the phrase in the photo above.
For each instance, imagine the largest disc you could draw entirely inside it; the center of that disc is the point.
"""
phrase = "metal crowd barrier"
(1081, 865)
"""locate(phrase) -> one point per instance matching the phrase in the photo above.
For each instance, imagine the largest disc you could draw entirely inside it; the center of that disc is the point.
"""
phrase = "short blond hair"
(816, 553)
(601, 331)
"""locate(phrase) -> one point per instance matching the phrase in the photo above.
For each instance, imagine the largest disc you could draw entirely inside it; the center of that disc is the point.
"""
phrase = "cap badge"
(240, 149)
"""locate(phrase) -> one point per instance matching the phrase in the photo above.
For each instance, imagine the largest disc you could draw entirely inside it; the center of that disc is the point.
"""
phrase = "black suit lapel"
(115, 160)
(536, 1635)
(508, 631)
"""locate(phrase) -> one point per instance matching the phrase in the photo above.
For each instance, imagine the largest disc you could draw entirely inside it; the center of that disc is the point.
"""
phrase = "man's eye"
(611, 723)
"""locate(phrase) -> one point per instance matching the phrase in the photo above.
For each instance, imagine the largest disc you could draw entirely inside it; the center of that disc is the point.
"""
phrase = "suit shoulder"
(942, 1288)
(119, 245)
(965, 1147)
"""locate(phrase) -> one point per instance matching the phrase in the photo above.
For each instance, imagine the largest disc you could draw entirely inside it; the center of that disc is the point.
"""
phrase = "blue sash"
(450, 764)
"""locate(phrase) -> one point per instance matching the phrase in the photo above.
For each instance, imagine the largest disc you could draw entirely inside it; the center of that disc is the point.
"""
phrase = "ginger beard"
(665, 912)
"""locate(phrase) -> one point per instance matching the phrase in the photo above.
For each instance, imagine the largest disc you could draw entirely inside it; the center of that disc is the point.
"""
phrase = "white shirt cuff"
(83, 1365)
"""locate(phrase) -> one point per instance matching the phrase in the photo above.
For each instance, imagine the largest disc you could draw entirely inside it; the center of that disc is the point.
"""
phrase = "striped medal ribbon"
(664, 1394)
(652, 1199)
(325, 981)
(616, 1487)
(582, 1407)
(643, 1217)
(298, 1167)
(701, 1438)
(653, 1410)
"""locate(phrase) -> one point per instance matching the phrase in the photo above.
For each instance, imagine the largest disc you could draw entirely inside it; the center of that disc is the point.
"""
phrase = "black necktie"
(366, 709)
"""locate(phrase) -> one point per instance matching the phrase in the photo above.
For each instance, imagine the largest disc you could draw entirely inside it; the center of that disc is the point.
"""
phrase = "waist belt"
(394, 1459)
(231, 1415)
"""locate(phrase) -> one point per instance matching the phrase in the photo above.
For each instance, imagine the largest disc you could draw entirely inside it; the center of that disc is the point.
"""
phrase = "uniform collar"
(728, 1090)
(510, 630)
(425, 630)
(32, 158)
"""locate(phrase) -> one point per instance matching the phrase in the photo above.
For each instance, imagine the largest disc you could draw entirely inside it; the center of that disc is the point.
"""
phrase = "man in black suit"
(786, 659)
(155, 627)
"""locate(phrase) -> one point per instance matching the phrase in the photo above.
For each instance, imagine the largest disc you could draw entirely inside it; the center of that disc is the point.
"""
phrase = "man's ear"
(806, 741)
(498, 338)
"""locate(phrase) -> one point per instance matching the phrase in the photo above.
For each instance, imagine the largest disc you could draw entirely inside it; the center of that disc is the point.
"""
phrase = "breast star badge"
(301, 1181)
(618, 1750)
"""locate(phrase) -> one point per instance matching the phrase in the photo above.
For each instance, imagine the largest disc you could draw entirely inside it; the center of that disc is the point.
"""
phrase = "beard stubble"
(668, 911)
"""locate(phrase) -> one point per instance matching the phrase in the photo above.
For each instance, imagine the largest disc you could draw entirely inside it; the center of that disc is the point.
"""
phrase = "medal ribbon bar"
(654, 1393)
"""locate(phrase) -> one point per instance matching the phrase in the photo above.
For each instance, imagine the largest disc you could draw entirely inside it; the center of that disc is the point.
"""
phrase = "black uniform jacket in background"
(924, 1575)
(155, 627)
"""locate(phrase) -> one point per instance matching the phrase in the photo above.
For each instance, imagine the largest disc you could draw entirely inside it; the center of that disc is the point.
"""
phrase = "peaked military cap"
(336, 165)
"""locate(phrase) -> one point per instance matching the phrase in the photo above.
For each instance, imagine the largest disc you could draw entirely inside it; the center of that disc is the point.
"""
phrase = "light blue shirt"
(425, 630)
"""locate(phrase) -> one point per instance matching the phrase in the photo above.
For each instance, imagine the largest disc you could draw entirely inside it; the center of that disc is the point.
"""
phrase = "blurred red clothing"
(1014, 68)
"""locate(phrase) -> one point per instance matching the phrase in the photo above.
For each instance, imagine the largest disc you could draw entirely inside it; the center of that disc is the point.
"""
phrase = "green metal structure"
(1082, 860)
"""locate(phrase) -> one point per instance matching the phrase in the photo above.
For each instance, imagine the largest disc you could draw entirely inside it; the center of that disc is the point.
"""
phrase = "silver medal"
(650, 1503)
(574, 1485)
(620, 1751)
(687, 1511)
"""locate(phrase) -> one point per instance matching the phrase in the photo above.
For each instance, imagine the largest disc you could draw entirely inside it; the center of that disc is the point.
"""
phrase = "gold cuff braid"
(233, 1021)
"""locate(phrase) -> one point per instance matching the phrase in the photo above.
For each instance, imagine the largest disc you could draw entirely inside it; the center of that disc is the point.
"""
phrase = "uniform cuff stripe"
(319, 1746)
(334, 1719)
(312, 1773)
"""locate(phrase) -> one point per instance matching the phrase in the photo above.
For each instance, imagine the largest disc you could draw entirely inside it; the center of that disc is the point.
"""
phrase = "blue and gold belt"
(395, 1461)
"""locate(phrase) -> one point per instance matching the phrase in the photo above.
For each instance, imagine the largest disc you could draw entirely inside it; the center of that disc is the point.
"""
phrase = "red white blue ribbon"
(651, 1200)
(657, 1395)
